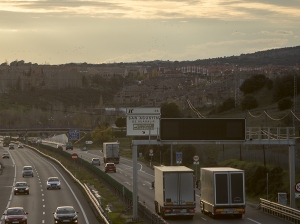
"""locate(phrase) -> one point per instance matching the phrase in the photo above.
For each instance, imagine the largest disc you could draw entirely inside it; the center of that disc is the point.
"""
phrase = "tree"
(284, 104)
(249, 102)
(253, 84)
(103, 133)
(170, 110)
(120, 122)
(284, 87)
(228, 104)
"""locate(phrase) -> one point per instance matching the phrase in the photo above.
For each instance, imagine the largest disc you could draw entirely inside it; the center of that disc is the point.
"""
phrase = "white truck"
(174, 188)
(111, 152)
(222, 191)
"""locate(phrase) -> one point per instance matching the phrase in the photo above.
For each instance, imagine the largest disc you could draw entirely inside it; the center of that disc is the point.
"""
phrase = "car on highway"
(15, 215)
(20, 146)
(53, 183)
(11, 146)
(65, 214)
(21, 188)
(69, 146)
(59, 146)
(96, 161)
(5, 155)
(84, 148)
(27, 171)
(110, 167)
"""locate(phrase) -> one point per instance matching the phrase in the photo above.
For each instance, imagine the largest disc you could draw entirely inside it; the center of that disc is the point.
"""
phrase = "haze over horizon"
(59, 32)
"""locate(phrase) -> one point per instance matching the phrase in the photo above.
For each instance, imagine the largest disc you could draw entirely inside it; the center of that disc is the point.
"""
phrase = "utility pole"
(237, 87)
(295, 98)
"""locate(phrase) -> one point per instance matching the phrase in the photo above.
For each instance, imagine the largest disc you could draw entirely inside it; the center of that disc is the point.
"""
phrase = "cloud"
(237, 47)
(154, 9)
(8, 30)
(237, 33)
(278, 33)
(204, 51)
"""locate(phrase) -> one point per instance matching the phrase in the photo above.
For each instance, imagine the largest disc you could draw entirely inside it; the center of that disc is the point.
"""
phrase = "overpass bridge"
(53, 130)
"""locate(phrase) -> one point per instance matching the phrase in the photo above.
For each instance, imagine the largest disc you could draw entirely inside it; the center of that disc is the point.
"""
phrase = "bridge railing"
(281, 211)
(270, 133)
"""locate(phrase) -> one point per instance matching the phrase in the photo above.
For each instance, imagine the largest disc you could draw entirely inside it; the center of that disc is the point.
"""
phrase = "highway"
(146, 193)
(40, 203)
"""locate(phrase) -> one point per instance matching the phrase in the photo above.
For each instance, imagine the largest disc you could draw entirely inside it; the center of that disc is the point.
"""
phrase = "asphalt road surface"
(40, 203)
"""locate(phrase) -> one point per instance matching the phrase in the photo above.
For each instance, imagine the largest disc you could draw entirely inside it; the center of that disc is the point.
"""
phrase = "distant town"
(202, 82)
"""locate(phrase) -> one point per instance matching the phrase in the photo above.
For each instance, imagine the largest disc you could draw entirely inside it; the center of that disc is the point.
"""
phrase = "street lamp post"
(51, 121)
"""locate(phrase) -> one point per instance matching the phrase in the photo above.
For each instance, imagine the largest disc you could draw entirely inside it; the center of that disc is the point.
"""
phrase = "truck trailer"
(111, 152)
(174, 191)
(6, 141)
(222, 191)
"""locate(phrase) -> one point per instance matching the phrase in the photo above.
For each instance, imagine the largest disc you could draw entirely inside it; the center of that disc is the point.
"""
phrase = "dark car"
(21, 188)
(27, 171)
(110, 167)
(5, 155)
(59, 146)
(69, 146)
(65, 214)
(15, 215)
(11, 146)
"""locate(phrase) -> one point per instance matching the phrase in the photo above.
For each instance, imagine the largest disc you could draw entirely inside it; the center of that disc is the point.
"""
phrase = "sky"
(107, 31)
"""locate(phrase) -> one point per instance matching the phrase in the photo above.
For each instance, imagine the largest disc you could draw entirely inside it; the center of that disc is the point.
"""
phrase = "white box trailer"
(111, 152)
(174, 188)
(222, 191)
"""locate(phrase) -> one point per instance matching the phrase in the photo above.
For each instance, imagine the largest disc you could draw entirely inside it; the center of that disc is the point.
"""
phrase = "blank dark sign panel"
(210, 129)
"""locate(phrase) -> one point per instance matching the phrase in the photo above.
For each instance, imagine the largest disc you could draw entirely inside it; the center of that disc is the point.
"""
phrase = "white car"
(53, 183)
(96, 161)
(20, 146)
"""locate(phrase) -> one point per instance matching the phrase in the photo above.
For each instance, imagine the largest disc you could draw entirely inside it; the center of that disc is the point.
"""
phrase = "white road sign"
(88, 142)
(297, 187)
(142, 125)
(196, 158)
(143, 110)
(297, 195)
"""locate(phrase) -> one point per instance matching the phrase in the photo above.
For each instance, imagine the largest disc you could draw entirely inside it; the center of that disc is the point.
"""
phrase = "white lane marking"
(12, 189)
(74, 195)
(203, 218)
(253, 221)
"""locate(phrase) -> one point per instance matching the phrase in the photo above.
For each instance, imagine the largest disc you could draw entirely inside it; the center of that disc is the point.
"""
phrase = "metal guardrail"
(281, 211)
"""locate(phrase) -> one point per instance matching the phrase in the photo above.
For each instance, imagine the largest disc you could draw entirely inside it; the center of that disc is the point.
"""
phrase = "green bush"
(284, 104)
(249, 102)
(228, 104)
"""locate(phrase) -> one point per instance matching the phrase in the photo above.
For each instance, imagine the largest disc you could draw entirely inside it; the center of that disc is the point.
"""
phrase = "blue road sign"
(74, 134)
(179, 157)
